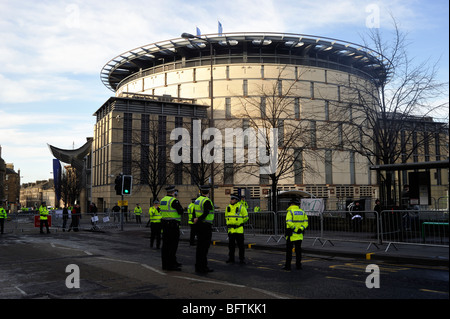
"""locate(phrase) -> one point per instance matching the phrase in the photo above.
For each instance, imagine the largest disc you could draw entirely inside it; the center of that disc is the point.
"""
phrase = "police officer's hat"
(205, 188)
(170, 188)
(294, 201)
(156, 202)
(235, 196)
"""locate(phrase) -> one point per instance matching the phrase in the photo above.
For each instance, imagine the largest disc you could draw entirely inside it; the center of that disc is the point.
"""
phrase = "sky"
(52, 53)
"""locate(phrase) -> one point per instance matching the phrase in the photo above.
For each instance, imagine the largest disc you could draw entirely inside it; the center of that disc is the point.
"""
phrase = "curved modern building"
(314, 78)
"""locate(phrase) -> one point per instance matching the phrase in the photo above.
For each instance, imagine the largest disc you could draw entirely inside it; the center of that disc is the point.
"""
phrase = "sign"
(122, 203)
(37, 221)
(312, 206)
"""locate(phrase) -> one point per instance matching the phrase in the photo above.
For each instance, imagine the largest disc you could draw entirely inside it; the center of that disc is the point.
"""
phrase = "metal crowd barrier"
(26, 221)
(392, 227)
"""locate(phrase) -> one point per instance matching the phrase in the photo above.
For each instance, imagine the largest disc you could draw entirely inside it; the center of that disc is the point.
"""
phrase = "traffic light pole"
(121, 215)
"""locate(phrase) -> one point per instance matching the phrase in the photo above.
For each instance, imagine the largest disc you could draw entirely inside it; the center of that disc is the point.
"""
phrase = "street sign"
(37, 221)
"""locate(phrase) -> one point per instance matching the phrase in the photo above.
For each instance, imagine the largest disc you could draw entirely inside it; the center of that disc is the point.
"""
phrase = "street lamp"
(211, 119)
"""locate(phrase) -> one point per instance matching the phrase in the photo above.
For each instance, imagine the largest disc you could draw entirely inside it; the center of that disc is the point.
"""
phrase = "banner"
(312, 206)
(57, 179)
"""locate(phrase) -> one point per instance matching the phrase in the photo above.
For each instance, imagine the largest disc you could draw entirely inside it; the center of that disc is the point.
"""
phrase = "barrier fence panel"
(417, 227)
(361, 226)
(402, 226)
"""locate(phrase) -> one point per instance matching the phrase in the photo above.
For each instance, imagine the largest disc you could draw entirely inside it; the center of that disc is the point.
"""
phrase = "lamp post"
(211, 118)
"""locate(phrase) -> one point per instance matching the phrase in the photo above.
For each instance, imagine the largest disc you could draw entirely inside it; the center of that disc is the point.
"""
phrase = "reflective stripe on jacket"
(190, 210)
(297, 221)
(167, 211)
(198, 207)
(43, 212)
(3, 213)
(236, 215)
(155, 215)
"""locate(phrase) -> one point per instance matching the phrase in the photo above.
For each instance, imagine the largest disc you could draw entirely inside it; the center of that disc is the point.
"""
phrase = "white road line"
(21, 291)
(153, 269)
(211, 281)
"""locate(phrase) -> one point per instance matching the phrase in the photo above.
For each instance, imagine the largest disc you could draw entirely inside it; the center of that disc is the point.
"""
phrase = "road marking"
(353, 266)
(269, 293)
(21, 291)
(344, 279)
(435, 291)
(153, 269)
(211, 281)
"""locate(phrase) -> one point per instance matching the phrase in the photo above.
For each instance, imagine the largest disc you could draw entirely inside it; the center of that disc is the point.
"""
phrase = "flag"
(198, 31)
(220, 29)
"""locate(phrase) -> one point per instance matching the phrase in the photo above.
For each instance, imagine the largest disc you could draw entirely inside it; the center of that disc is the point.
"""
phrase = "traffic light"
(127, 184)
(118, 184)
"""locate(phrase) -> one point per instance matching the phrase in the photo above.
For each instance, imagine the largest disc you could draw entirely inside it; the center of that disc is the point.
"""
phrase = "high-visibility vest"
(236, 215)
(198, 207)
(43, 212)
(137, 210)
(190, 210)
(155, 215)
(297, 220)
(167, 212)
(3, 213)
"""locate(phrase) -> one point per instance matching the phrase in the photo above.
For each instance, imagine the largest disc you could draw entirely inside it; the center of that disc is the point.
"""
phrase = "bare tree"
(381, 114)
(70, 185)
(150, 162)
(276, 107)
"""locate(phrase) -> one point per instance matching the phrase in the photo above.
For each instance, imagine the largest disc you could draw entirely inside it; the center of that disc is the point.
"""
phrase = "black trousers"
(204, 235)
(41, 225)
(155, 229)
(2, 224)
(170, 239)
(298, 252)
(234, 239)
(193, 234)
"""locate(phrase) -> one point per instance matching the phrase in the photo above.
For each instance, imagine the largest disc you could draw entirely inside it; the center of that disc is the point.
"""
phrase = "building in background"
(244, 78)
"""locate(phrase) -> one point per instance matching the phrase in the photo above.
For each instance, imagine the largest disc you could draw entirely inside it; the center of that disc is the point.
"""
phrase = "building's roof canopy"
(72, 157)
(258, 47)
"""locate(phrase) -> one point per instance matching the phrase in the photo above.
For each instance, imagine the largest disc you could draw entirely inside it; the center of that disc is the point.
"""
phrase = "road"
(121, 265)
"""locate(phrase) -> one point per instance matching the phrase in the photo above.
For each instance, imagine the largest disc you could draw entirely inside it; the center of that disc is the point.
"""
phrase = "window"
(127, 135)
(162, 149)
(227, 107)
(228, 173)
(328, 167)
(352, 168)
(297, 108)
(312, 128)
(262, 107)
(298, 166)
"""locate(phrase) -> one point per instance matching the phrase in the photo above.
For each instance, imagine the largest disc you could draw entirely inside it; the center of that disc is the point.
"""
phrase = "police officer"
(3, 216)
(43, 217)
(171, 211)
(191, 211)
(236, 215)
(137, 213)
(155, 224)
(203, 219)
(296, 223)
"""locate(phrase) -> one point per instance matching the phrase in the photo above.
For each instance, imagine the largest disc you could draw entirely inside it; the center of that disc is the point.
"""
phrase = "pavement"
(387, 252)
